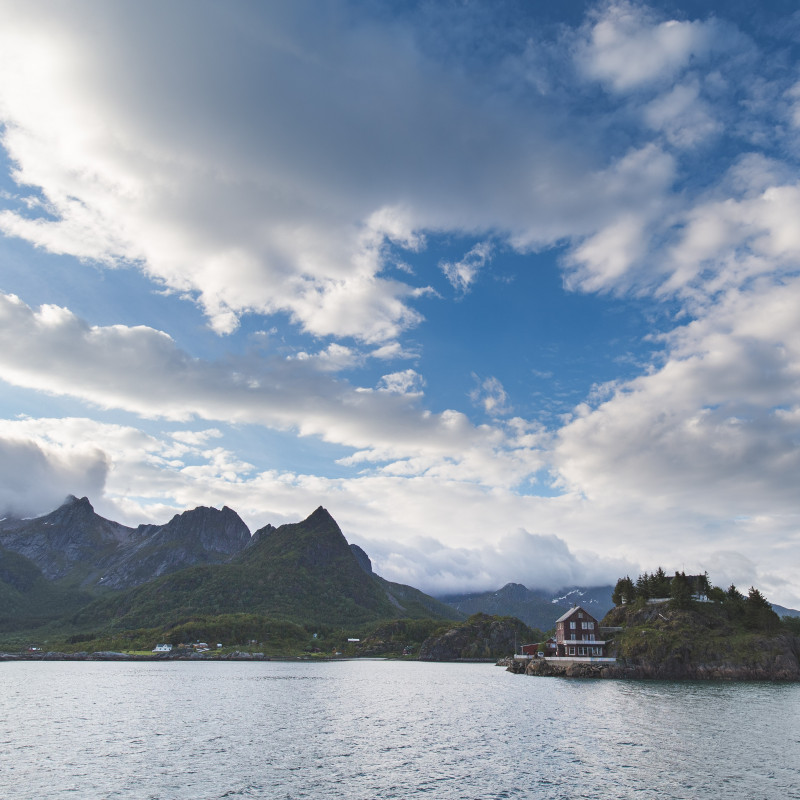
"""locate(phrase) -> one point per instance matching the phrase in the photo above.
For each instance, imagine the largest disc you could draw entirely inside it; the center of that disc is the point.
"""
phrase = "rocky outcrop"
(362, 558)
(200, 536)
(480, 637)
(704, 642)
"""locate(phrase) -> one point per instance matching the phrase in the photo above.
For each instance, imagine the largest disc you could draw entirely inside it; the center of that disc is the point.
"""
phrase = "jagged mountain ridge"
(302, 572)
(201, 536)
(75, 543)
(203, 561)
(73, 538)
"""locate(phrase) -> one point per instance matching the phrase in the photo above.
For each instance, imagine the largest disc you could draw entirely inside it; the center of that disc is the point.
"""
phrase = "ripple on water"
(385, 729)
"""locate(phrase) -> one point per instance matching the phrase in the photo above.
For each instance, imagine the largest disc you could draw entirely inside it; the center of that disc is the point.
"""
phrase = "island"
(677, 627)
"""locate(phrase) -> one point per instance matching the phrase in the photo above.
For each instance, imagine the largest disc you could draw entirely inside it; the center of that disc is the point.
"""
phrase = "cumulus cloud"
(287, 194)
(685, 119)
(715, 428)
(535, 560)
(143, 371)
(290, 195)
(628, 47)
(408, 381)
(280, 195)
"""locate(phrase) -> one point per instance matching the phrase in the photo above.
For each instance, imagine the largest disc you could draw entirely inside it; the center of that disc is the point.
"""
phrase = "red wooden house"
(547, 648)
(578, 635)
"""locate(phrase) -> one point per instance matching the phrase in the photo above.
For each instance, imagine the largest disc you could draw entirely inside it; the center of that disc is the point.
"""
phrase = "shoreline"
(721, 673)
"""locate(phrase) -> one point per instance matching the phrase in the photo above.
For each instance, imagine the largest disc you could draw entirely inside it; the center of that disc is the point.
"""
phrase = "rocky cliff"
(200, 536)
(480, 637)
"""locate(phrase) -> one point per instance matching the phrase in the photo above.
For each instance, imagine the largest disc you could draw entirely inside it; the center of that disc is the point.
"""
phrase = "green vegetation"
(752, 612)
(295, 590)
(479, 637)
(27, 599)
(704, 634)
(727, 634)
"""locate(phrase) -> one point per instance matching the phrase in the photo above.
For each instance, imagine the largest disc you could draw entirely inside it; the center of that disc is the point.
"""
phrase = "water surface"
(375, 729)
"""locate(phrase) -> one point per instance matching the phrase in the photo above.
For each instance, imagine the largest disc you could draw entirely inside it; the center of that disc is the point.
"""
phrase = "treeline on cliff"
(752, 610)
(684, 627)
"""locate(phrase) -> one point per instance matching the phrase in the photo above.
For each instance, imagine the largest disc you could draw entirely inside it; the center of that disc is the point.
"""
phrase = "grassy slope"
(27, 599)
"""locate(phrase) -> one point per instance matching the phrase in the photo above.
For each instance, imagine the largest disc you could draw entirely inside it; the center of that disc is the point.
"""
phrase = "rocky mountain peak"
(71, 501)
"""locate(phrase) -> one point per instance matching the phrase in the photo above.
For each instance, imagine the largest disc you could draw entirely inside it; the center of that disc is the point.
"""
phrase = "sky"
(510, 288)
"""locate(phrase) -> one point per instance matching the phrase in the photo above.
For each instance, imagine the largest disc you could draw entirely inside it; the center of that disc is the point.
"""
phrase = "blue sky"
(510, 288)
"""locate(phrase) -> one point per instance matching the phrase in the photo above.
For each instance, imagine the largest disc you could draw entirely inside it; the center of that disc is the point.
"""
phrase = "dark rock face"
(777, 669)
(200, 536)
(480, 637)
(75, 541)
(203, 560)
(362, 558)
(69, 537)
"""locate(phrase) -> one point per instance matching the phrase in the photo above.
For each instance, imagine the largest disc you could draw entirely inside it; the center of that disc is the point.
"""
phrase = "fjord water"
(375, 729)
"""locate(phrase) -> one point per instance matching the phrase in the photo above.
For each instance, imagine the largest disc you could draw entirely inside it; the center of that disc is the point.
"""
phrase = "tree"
(734, 602)
(758, 613)
(733, 594)
(624, 591)
(643, 586)
(716, 595)
(659, 583)
(680, 591)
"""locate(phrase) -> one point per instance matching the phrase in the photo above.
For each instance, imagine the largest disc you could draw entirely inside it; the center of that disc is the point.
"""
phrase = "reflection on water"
(386, 730)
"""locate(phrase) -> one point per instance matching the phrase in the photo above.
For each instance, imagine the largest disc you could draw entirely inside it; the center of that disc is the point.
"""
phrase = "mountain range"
(75, 571)
(89, 573)
(535, 607)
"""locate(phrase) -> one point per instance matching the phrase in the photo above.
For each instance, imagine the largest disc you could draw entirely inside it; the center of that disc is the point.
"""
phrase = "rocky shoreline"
(781, 670)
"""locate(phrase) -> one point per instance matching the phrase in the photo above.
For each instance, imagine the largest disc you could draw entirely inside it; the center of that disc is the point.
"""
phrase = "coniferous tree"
(734, 601)
(680, 591)
(624, 591)
(758, 613)
(659, 583)
(643, 586)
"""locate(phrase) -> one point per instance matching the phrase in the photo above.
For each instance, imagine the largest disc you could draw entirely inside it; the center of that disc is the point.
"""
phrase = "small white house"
(162, 648)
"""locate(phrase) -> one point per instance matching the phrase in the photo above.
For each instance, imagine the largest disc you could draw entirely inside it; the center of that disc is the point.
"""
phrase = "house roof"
(569, 613)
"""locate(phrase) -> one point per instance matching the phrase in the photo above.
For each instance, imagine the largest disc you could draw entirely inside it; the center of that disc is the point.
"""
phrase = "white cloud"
(142, 370)
(408, 381)
(37, 477)
(491, 396)
(267, 197)
(291, 194)
(628, 47)
(715, 429)
(535, 560)
(462, 274)
(287, 193)
(683, 117)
